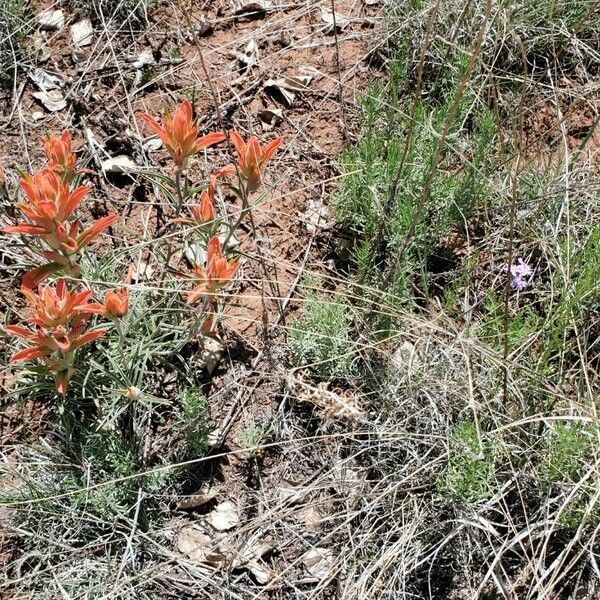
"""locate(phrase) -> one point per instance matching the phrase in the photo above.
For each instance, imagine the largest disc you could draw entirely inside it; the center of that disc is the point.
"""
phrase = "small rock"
(316, 215)
(118, 164)
(144, 58)
(224, 517)
(51, 20)
(79, 57)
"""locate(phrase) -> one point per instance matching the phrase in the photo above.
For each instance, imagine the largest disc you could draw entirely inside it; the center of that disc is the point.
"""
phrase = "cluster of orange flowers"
(179, 135)
(51, 197)
(58, 318)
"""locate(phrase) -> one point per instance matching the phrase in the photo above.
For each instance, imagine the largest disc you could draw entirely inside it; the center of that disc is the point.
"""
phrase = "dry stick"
(339, 74)
(242, 187)
(511, 225)
(442, 142)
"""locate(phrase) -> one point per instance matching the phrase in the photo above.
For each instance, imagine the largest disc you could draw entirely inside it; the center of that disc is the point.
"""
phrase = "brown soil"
(563, 122)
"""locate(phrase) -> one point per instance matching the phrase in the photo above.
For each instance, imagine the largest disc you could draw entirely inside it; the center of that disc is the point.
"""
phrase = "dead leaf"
(288, 86)
(82, 33)
(42, 51)
(142, 270)
(319, 562)
(195, 254)
(260, 573)
(332, 404)
(118, 164)
(224, 517)
(313, 518)
(215, 438)
(45, 81)
(212, 353)
(52, 100)
(249, 57)
(269, 117)
(290, 493)
(152, 144)
(51, 20)
(340, 21)
(202, 496)
(251, 5)
(199, 546)
(253, 549)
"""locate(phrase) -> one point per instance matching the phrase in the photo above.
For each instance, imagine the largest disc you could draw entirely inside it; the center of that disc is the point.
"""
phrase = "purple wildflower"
(518, 283)
(519, 272)
(521, 269)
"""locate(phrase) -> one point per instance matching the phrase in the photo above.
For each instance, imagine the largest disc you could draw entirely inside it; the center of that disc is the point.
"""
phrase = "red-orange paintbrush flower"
(116, 302)
(60, 155)
(204, 211)
(49, 199)
(218, 271)
(49, 203)
(115, 305)
(57, 329)
(51, 307)
(179, 133)
(252, 157)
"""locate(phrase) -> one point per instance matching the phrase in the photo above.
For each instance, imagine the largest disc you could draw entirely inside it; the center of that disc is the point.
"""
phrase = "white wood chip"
(82, 33)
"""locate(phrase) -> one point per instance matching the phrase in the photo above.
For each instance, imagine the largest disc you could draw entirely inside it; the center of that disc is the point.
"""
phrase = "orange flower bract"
(60, 155)
(49, 204)
(218, 271)
(179, 133)
(57, 329)
(252, 157)
(115, 305)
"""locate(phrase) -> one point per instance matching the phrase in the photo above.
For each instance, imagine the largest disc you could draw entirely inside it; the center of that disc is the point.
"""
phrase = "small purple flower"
(519, 272)
(521, 269)
(518, 283)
